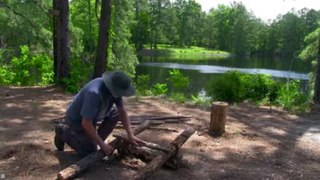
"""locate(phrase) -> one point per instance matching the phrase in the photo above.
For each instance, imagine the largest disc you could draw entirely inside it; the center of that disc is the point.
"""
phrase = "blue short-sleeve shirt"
(93, 102)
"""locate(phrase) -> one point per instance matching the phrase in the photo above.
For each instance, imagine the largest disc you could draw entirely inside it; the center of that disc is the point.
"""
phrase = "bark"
(316, 97)
(75, 169)
(218, 118)
(61, 39)
(158, 161)
(103, 40)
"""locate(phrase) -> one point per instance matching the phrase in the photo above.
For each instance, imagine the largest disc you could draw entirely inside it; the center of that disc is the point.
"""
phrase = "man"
(99, 100)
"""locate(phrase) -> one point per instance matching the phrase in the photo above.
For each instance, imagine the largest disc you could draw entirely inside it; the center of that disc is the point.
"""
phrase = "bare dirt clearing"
(258, 144)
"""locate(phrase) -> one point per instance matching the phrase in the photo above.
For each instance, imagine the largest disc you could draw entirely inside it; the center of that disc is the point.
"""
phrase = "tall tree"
(312, 52)
(123, 55)
(103, 39)
(317, 79)
(61, 39)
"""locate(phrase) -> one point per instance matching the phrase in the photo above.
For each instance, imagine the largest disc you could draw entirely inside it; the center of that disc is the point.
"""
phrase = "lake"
(202, 71)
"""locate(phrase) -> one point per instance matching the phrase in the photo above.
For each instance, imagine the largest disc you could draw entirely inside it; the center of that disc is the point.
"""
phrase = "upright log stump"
(218, 118)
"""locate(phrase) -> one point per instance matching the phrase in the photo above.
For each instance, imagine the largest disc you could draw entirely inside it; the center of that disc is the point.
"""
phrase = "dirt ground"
(258, 144)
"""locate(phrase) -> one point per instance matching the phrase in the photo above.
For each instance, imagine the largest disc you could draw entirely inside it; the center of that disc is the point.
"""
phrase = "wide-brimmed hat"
(119, 83)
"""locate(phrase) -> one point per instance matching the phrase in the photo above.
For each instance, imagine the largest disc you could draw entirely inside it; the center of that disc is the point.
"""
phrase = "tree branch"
(18, 14)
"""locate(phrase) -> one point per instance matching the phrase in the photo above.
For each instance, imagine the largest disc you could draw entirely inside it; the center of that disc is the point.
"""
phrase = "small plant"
(178, 97)
(201, 99)
(179, 81)
(159, 89)
(290, 97)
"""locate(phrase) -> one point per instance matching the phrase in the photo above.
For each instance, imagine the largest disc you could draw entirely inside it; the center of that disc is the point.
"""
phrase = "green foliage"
(201, 99)
(142, 84)
(159, 89)
(123, 56)
(290, 97)
(178, 80)
(234, 86)
(178, 97)
(27, 69)
(227, 88)
(79, 75)
(259, 87)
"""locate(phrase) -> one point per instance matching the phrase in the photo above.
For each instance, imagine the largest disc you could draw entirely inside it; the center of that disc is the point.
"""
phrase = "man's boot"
(58, 142)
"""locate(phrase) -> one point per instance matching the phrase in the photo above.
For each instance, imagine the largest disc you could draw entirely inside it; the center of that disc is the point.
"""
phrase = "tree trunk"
(218, 118)
(103, 40)
(158, 161)
(61, 39)
(75, 169)
(316, 97)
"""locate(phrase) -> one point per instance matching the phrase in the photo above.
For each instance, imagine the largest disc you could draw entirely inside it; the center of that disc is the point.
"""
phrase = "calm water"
(202, 71)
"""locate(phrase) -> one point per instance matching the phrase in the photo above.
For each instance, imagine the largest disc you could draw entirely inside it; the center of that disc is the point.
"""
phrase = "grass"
(192, 52)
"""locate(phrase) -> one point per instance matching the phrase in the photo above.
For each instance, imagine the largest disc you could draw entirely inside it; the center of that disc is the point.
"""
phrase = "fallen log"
(83, 164)
(158, 161)
(158, 118)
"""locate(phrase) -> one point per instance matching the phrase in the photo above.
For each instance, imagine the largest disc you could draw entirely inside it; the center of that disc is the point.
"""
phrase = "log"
(147, 154)
(158, 161)
(218, 118)
(83, 164)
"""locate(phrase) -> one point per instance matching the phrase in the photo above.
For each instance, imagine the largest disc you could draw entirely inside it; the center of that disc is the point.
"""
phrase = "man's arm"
(91, 131)
(127, 125)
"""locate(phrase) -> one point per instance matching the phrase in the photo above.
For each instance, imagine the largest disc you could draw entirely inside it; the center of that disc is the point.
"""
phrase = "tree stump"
(218, 118)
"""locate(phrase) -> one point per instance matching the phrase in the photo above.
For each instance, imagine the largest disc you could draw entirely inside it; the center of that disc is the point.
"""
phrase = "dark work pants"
(82, 143)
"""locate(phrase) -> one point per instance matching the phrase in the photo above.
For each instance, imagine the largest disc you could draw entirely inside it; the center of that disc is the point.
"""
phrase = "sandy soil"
(258, 144)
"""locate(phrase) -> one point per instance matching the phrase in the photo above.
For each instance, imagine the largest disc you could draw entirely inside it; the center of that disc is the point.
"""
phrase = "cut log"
(218, 118)
(75, 169)
(158, 161)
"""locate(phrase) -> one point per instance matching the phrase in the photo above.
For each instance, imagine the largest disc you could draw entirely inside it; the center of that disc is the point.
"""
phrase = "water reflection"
(221, 69)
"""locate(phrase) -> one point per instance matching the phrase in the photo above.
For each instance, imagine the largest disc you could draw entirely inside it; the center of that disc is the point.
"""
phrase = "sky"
(265, 9)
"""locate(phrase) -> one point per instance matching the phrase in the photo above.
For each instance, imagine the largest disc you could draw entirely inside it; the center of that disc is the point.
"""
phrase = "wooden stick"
(145, 144)
(163, 129)
(75, 169)
(159, 118)
(158, 161)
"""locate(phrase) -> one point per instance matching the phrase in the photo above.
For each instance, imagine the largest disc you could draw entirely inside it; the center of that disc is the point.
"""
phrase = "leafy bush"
(79, 75)
(178, 80)
(159, 89)
(178, 97)
(142, 84)
(227, 88)
(259, 87)
(234, 86)
(290, 97)
(27, 69)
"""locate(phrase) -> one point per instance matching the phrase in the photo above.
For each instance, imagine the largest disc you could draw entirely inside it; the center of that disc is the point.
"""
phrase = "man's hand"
(107, 149)
(135, 140)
